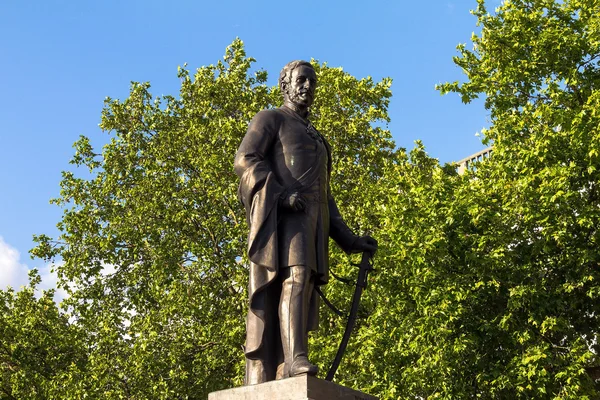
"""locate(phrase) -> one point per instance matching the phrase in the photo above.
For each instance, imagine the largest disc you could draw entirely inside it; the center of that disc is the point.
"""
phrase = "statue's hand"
(364, 243)
(294, 201)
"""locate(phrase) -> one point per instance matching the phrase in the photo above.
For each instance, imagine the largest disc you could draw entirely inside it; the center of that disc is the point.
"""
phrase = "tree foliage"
(529, 218)
(153, 243)
(39, 348)
(486, 283)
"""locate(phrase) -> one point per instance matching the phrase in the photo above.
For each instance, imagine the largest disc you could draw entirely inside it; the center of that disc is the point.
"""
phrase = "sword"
(361, 284)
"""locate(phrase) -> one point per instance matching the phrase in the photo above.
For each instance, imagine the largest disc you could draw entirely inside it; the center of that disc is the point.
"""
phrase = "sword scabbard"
(361, 283)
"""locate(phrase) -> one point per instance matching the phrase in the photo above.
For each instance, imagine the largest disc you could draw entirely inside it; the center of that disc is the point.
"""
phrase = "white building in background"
(479, 156)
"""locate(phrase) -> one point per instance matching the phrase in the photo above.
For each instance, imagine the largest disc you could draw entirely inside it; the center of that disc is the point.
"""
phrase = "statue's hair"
(285, 75)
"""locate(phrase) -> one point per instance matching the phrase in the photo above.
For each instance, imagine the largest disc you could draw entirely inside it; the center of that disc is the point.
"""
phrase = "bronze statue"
(284, 165)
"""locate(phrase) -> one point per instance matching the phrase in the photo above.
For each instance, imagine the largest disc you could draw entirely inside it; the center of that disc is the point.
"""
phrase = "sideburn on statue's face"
(301, 88)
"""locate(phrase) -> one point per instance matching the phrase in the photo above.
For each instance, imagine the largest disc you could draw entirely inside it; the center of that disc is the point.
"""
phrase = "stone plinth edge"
(298, 388)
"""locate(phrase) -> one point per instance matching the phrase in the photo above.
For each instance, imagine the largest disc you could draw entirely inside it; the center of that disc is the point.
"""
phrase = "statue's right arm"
(252, 161)
(257, 142)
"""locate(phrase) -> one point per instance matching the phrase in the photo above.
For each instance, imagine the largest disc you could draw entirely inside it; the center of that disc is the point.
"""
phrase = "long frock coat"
(283, 153)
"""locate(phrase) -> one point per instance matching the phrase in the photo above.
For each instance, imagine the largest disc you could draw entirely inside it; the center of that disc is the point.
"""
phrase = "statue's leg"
(262, 365)
(296, 291)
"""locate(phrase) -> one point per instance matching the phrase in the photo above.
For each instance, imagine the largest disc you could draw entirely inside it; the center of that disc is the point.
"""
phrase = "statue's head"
(298, 81)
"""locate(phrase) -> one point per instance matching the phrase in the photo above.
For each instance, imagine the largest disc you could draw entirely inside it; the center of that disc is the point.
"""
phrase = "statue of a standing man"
(284, 165)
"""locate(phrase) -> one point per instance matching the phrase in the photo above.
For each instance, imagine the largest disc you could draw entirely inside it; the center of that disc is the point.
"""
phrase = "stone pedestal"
(298, 388)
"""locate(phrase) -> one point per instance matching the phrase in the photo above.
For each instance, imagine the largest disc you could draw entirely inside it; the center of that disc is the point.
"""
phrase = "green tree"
(153, 243)
(487, 282)
(524, 225)
(39, 348)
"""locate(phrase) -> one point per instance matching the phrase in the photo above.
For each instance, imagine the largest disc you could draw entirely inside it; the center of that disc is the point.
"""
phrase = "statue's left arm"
(343, 235)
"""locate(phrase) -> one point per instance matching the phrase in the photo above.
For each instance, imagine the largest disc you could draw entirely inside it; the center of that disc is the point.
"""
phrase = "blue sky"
(60, 59)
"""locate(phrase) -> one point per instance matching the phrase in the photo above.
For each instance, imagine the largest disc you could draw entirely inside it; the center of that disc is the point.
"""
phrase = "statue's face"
(302, 85)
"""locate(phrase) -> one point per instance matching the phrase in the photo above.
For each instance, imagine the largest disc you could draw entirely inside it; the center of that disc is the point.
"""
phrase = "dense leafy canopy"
(530, 217)
(487, 282)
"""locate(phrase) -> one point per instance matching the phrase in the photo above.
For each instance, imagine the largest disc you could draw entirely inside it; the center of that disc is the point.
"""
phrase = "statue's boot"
(293, 319)
(301, 366)
(262, 364)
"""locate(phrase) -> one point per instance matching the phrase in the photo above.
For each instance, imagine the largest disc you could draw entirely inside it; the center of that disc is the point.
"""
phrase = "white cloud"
(50, 279)
(15, 274)
(12, 271)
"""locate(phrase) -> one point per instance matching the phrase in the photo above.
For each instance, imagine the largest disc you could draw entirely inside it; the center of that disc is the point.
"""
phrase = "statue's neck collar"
(302, 112)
